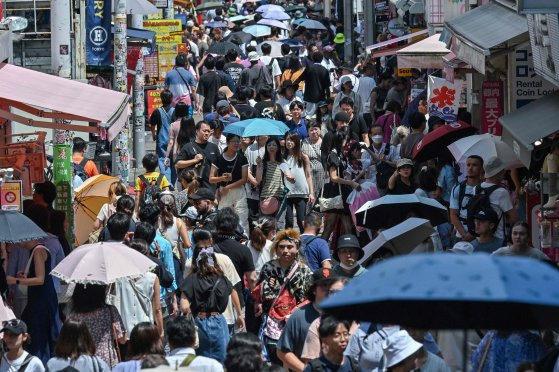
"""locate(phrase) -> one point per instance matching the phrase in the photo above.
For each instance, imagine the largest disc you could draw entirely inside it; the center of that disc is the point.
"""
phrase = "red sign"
(491, 106)
(154, 101)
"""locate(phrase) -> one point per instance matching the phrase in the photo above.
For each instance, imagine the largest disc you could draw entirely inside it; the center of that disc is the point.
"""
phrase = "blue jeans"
(213, 335)
(166, 171)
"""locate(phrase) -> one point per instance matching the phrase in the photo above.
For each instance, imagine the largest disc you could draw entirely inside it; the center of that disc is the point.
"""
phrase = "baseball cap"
(189, 23)
(322, 104)
(15, 326)
(493, 166)
(404, 161)
(462, 247)
(341, 116)
(202, 194)
(487, 214)
(253, 57)
(344, 79)
(191, 213)
(222, 103)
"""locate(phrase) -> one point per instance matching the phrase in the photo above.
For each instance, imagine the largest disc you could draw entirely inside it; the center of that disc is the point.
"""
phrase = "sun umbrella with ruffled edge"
(15, 227)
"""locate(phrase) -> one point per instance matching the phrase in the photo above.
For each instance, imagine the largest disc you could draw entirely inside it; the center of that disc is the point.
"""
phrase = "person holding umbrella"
(348, 252)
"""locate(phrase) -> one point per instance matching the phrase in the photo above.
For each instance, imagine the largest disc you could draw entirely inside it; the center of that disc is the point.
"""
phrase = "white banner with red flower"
(444, 98)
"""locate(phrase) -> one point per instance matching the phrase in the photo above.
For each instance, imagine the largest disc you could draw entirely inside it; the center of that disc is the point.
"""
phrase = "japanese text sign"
(491, 106)
(444, 98)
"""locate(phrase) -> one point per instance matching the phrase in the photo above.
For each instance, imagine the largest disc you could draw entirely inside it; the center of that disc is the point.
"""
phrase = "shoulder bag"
(332, 203)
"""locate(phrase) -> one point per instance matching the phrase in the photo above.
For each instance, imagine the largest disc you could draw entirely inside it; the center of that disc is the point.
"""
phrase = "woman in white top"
(300, 188)
(260, 243)
(116, 189)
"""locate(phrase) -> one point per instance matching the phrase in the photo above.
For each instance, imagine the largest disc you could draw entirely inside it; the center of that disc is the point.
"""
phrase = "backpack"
(262, 79)
(477, 202)
(79, 169)
(151, 190)
(303, 249)
(270, 67)
(316, 365)
(384, 171)
(25, 363)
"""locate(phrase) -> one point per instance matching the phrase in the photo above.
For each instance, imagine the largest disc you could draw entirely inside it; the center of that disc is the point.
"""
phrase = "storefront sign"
(167, 52)
(62, 178)
(98, 32)
(526, 84)
(544, 39)
(162, 27)
(11, 196)
(405, 72)
(444, 98)
(491, 106)
(154, 101)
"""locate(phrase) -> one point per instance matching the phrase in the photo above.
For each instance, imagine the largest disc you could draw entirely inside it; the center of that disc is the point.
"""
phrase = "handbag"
(331, 203)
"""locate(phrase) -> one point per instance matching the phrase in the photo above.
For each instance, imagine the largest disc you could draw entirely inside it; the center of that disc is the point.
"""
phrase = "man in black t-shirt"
(357, 125)
(245, 110)
(209, 84)
(226, 223)
(199, 155)
(232, 67)
(267, 108)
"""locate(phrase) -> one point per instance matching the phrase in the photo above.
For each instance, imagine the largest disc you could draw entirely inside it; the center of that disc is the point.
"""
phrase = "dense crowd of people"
(244, 232)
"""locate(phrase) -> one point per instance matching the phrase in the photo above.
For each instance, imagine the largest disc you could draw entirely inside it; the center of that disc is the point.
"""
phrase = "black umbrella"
(390, 210)
(434, 143)
(209, 5)
(244, 37)
(222, 47)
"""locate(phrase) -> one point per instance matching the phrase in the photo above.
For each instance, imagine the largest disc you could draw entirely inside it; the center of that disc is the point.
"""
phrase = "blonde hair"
(288, 234)
(117, 188)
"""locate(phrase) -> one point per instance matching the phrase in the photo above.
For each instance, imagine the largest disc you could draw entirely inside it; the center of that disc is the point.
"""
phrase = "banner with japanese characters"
(491, 106)
(444, 98)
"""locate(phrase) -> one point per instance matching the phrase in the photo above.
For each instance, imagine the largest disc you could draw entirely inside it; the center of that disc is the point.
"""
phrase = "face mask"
(346, 267)
(377, 139)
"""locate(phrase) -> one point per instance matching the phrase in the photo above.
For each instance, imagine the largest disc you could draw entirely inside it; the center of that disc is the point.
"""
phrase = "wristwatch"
(17, 281)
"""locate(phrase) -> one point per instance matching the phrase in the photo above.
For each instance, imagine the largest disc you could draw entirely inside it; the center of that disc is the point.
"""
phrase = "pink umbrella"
(102, 263)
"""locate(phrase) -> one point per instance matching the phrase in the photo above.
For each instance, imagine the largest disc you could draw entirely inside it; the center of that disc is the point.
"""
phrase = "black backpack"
(316, 365)
(384, 171)
(151, 191)
(270, 67)
(478, 201)
(79, 169)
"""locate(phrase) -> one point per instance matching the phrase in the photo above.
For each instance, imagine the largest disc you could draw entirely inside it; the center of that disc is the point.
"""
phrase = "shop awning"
(426, 53)
(396, 40)
(140, 34)
(483, 31)
(34, 92)
(519, 130)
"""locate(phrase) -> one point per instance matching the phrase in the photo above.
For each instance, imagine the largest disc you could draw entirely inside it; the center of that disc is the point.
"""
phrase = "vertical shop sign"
(98, 32)
(491, 106)
(62, 178)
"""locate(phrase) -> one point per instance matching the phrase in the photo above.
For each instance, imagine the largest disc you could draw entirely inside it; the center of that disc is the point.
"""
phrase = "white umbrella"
(400, 239)
(102, 263)
(139, 7)
(484, 145)
(258, 30)
(273, 23)
(311, 24)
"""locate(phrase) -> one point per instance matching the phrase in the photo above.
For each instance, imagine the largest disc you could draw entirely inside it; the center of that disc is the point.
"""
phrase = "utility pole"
(327, 5)
(120, 151)
(169, 12)
(139, 120)
(61, 64)
(369, 10)
(348, 31)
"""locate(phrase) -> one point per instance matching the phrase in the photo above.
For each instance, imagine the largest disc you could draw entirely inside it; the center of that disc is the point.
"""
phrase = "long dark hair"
(297, 153)
(279, 156)
(186, 132)
(168, 207)
(74, 340)
(90, 297)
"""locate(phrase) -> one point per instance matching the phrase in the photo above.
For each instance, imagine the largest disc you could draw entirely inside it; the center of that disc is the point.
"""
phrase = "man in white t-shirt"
(499, 199)
(268, 60)
(254, 151)
(366, 85)
(16, 359)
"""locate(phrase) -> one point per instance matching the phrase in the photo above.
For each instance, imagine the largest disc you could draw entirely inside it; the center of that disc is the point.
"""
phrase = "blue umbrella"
(257, 127)
(258, 30)
(311, 24)
(15, 227)
(453, 291)
(298, 21)
(216, 24)
(276, 14)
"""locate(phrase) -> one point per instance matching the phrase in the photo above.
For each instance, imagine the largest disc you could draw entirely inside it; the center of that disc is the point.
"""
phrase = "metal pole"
(369, 9)
(327, 5)
(139, 120)
(61, 63)
(120, 152)
(348, 31)
(169, 10)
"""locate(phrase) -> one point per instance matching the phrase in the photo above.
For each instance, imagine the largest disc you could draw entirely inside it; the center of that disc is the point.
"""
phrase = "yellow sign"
(166, 53)
(11, 196)
(404, 72)
(162, 27)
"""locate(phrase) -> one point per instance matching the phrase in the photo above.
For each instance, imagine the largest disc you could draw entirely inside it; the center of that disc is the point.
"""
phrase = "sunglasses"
(11, 323)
